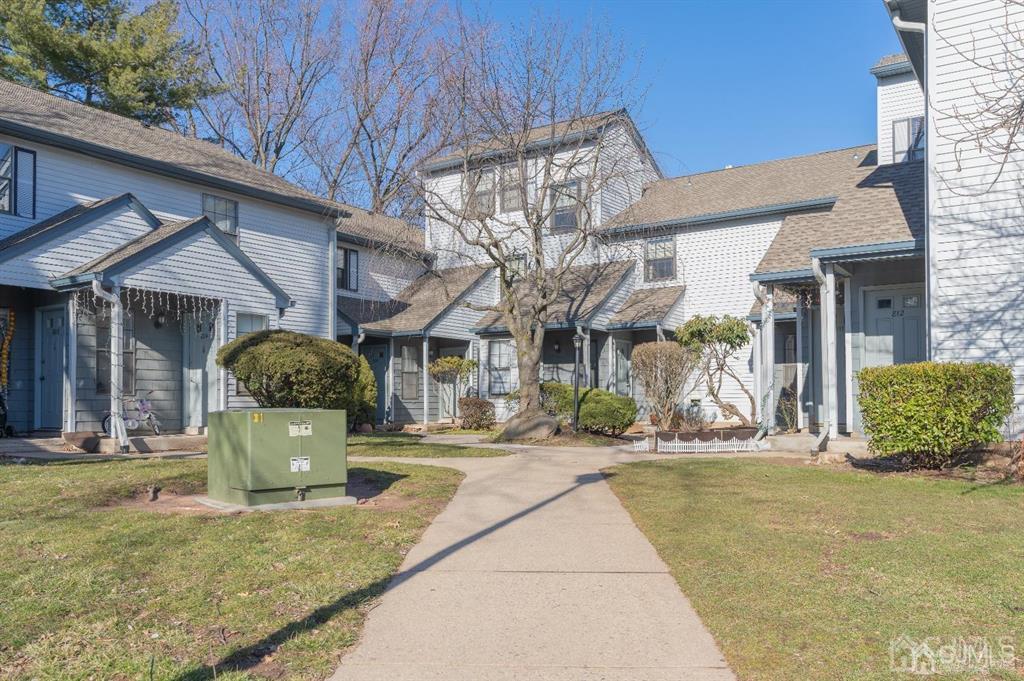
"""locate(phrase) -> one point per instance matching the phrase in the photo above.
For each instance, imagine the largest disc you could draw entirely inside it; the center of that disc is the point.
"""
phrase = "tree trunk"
(529, 381)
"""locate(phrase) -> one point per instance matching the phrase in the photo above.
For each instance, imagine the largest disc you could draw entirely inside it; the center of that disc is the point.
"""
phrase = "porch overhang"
(912, 248)
(789, 276)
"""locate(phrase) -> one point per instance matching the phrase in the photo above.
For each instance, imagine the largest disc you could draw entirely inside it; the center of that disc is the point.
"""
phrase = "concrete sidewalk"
(534, 572)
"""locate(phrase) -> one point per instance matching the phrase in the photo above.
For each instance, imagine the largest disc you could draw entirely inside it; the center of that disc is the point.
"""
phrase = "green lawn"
(92, 589)
(809, 573)
(411, 446)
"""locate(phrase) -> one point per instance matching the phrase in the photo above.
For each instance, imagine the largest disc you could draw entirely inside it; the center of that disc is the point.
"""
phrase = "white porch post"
(389, 381)
(848, 350)
(768, 358)
(829, 320)
(222, 373)
(71, 367)
(426, 380)
(800, 422)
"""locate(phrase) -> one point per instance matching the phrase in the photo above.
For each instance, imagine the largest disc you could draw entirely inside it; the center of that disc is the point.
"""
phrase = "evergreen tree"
(101, 53)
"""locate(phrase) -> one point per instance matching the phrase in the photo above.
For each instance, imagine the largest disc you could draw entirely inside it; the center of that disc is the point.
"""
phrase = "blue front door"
(377, 356)
(51, 368)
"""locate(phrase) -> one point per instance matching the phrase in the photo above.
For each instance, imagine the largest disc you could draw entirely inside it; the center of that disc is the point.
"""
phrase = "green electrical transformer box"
(267, 456)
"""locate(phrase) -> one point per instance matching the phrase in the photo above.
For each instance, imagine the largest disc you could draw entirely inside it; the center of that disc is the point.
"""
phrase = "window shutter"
(25, 177)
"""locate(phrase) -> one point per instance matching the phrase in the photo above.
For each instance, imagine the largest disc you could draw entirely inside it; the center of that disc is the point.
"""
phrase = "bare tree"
(664, 369)
(530, 105)
(272, 60)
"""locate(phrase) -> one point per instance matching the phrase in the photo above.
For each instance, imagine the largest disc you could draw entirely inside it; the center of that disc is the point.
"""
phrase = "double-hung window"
(222, 212)
(511, 189)
(565, 206)
(17, 181)
(908, 139)
(660, 259)
(348, 269)
(103, 355)
(499, 366)
(480, 193)
(410, 372)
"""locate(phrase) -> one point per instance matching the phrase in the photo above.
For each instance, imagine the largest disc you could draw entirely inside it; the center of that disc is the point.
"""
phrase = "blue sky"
(744, 81)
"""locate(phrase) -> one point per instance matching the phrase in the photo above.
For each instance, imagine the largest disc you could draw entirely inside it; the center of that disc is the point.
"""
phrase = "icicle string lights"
(150, 304)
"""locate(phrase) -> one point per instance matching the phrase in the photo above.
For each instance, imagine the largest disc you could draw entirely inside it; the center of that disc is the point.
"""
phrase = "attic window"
(222, 212)
(908, 139)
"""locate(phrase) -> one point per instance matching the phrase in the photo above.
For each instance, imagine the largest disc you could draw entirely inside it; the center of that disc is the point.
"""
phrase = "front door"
(51, 368)
(623, 355)
(377, 356)
(199, 377)
(894, 326)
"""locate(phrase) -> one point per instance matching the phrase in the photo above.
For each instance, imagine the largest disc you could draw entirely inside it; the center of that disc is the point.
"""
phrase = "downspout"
(901, 24)
(821, 443)
(659, 331)
(113, 298)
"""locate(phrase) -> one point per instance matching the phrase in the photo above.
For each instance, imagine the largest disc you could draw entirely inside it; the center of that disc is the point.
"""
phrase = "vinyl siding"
(976, 218)
(899, 97)
(615, 302)
(382, 276)
(457, 322)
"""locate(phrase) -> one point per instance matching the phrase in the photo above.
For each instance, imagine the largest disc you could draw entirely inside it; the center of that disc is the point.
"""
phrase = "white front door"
(50, 379)
(199, 377)
(894, 326)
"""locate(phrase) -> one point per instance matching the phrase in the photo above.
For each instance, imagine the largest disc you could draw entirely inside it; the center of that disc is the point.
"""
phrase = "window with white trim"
(511, 189)
(103, 354)
(222, 212)
(565, 206)
(908, 139)
(499, 367)
(410, 372)
(660, 259)
(480, 193)
(348, 269)
(17, 181)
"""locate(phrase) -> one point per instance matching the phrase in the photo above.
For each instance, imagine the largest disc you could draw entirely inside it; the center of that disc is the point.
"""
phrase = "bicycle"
(143, 413)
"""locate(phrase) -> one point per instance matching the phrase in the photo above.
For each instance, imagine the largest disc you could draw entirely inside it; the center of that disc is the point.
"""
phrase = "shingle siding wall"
(457, 322)
(976, 230)
(899, 97)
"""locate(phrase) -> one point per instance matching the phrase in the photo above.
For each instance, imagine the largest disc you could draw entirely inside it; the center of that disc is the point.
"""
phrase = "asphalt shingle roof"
(136, 245)
(585, 288)
(890, 59)
(390, 234)
(743, 188)
(40, 229)
(416, 306)
(875, 205)
(648, 305)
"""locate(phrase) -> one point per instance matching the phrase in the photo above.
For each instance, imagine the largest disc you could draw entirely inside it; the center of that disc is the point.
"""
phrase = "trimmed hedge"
(600, 411)
(477, 414)
(934, 411)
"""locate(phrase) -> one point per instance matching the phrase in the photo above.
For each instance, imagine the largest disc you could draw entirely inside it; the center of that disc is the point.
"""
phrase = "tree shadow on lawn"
(367, 483)
(253, 655)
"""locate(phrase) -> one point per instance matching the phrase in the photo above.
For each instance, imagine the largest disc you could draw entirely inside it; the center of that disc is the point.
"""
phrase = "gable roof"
(773, 187)
(876, 205)
(42, 117)
(392, 235)
(646, 307)
(417, 306)
(585, 290)
(542, 136)
(67, 220)
(164, 237)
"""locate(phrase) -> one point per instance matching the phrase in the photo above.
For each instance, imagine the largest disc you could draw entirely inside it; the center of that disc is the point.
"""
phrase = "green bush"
(605, 413)
(555, 400)
(477, 414)
(283, 369)
(934, 411)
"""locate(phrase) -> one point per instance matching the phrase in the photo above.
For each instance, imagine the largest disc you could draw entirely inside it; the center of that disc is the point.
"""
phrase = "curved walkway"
(534, 572)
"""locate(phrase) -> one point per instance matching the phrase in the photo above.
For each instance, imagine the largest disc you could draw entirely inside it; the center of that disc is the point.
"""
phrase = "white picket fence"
(677, 446)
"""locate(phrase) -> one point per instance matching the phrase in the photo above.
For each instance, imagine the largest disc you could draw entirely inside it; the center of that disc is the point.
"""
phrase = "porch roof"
(646, 307)
(67, 220)
(585, 290)
(876, 205)
(416, 307)
(161, 240)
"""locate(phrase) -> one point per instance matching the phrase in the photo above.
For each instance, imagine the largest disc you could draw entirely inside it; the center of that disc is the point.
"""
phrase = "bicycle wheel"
(107, 425)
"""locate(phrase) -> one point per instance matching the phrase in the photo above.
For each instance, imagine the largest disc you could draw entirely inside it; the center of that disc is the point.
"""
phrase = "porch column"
(71, 367)
(800, 421)
(426, 380)
(829, 363)
(389, 384)
(767, 394)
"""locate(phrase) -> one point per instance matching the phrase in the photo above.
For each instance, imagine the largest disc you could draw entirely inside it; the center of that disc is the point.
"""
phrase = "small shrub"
(934, 411)
(664, 369)
(477, 413)
(692, 418)
(605, 413)
(555, 400)
(284, 369)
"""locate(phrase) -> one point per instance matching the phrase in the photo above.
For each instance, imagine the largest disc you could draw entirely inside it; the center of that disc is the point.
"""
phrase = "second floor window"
(222, 212)
(660, 259)
(17, 181)
(565, 206)
(348, 269)
(480, 193)
(511, 189)
(908, 139)
(499, 366)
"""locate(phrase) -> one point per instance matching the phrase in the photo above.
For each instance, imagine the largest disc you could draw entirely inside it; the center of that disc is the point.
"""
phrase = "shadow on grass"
(366, 483)
(252, 655)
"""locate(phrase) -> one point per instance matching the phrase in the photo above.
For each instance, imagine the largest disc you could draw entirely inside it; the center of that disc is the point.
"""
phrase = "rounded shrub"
(284, 369)
(934, 411)
(606, 413)
(366, 395)
(477, 413)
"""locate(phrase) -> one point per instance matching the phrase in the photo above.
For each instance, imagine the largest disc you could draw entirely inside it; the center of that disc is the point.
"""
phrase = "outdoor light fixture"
(160, 319)
(558, 346)
(577, 342)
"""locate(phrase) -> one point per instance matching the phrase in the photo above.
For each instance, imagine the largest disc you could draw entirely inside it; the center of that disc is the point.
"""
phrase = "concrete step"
(143, 444)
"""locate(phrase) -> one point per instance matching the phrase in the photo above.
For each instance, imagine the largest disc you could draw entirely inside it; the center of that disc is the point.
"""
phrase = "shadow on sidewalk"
(252, 655)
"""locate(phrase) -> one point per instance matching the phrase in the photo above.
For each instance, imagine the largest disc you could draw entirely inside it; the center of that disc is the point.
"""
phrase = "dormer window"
(222, 212)
(17, 181)
(480, 193)
(908, 139)
(565, 206)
